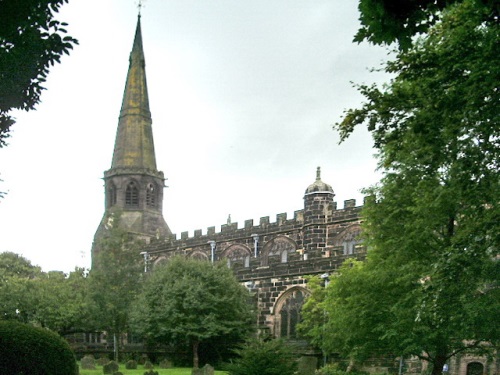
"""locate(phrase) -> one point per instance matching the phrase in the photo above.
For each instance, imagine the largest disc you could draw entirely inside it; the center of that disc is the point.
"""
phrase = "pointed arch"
(349, 239)
(151, 195)
(132, 194)
(237, 255)
(198, 254)
(111, 194)
(287, 311)
(280, 247)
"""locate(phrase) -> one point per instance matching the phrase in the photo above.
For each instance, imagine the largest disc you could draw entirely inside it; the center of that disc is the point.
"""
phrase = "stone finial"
(318, 173)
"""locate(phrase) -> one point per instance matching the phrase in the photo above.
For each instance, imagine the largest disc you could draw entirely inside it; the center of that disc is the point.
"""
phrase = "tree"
(31, 41)
(115, 280)
(432, 227)
(16, 293)
(388, 21)
(188, 301)
(61, 301)
(257, 357)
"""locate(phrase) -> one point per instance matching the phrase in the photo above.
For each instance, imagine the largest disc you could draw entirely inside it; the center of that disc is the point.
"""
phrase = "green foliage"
(31, 41)
(16, 287)
(115, 279)
(188, 302)
(25, 349)
(271, 357)
(429, 287)
(52, 300)
(61, 301)
(313, 312)
(388, 21)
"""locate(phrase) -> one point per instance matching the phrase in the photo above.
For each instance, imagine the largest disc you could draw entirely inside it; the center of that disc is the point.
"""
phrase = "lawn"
(168, 371)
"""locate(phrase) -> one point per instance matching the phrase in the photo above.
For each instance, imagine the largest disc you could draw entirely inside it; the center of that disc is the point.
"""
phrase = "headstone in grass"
(307, 365)
(102, 360)
(110, 368)
(131, 365)
(205, 370)
(166, 364)
(87, 362)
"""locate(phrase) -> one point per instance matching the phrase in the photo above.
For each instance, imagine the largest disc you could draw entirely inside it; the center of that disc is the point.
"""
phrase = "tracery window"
(289, 314)
(280, 248)
(132, 195)
(237, 255)
(151, 195)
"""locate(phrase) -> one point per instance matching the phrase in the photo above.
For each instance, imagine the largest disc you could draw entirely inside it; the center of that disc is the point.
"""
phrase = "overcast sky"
(243, 96)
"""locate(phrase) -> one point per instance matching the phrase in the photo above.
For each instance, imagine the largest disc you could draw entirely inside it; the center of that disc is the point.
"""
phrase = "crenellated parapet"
(270, 244)
(274, 258)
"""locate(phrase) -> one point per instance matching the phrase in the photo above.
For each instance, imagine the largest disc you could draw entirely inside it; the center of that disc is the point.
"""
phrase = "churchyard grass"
(161, 371)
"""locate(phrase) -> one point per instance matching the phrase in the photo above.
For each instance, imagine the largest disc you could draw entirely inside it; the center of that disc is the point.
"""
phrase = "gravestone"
(88, 363)
(205, 370)
(307, 365)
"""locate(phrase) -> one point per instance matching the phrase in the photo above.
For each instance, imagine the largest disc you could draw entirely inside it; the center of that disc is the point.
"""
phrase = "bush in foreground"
(263, 358)
(25, 349)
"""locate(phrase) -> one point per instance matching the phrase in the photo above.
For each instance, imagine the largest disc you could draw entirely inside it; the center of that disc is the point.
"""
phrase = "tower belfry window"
(132, 195)
(111, 195)
(151, 195)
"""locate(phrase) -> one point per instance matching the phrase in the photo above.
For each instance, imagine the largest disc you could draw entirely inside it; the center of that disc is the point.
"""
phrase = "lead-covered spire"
(134, 146)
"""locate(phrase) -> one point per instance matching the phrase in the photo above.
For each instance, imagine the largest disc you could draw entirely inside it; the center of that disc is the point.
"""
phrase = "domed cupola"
(319, 186)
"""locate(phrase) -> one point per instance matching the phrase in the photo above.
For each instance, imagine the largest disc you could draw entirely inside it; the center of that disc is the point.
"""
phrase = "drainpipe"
(255, 244)
(146, 260)
(212, 250)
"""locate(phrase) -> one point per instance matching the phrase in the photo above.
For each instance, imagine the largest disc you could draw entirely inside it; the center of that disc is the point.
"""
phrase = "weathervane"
(140, 5)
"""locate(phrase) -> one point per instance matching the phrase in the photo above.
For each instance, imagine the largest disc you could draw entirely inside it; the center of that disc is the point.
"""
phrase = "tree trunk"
(437, 365)
(195, 354)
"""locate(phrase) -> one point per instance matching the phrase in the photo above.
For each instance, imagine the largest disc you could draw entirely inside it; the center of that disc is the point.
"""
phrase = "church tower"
(133, 184)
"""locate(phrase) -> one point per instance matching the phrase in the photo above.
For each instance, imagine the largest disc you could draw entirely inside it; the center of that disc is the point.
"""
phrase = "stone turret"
(133, 184)
(318, 207)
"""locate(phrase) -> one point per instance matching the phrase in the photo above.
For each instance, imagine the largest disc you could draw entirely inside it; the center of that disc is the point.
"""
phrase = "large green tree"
(188, 302)
(31, 41)
(115, 280)
(16, 292)
(429, 286)
(60, 301)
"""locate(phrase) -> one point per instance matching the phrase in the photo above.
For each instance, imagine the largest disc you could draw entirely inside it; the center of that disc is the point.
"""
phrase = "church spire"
(134, 146)
(133, 185)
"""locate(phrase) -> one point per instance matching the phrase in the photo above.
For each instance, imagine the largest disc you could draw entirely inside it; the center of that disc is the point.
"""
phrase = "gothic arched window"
(132, 195)
(288, 311)
(151, 195)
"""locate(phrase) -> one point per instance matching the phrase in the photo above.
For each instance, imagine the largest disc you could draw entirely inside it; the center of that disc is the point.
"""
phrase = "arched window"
(349, 240)
(111, 194)
(288, 312)
(279, 248)
(237, 255)
(151, 195)
(475, 368)
(132, 195)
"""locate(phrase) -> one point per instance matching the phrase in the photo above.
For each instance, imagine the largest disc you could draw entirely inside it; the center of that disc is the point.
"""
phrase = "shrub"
(151, 372)
(148, 365)
(25, 349)
(271, 357)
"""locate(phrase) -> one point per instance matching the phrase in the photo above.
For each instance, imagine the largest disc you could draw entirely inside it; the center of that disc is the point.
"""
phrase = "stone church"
(271, 258)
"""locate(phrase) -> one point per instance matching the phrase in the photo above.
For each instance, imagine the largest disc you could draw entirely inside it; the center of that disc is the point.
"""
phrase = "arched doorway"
(475, 368)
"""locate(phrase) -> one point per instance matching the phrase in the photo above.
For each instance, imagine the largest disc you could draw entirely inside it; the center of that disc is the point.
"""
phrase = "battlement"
(281, 223)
